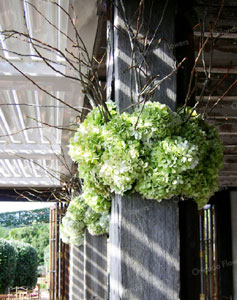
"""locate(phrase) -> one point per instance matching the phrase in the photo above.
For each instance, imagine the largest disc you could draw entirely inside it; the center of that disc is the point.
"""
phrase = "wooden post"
(95, 260)
(76, 272)
(64, 271)
(144, 234)
(52, 252)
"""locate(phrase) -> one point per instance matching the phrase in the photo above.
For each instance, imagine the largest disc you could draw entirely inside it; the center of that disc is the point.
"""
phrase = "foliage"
(79, 216)
(4, 233)
(26, 265)
(153, 151)
(36, 235)
(18, 218)
(7, 265)
(46, 257)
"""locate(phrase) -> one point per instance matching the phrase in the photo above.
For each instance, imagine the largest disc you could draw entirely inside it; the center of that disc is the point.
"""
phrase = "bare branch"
(222, 96)
(50, 23)
(152, 85)
(49, 125)
(200, 52)
(38, 86)
(44, 106)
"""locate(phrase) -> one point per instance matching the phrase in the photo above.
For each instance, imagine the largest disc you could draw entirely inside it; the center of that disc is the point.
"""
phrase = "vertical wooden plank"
(110, 61)
(144, 249)
(144, 234)
(52, 256)
(190, 251)
(76, 272)
(57, 245)
(62, 261)
(233, 198)
(64, 266)
(224, 243)
(62, 271)
(67, 271)
(95, 277)
(50, 253)
(159, 56)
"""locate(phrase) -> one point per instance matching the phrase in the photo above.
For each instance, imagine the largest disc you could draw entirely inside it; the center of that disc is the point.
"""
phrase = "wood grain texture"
(214, 86)
(216, 3)
(159, 61)
(222, 54)
(95, 261)
(77, 272)
(144, 234)
(144, 245)
(226, 21)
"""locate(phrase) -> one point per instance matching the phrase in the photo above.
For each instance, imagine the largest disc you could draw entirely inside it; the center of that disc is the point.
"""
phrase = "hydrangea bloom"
(156, 122)
(166, 165)
(97, 223)
(152, 151)
(77, 218)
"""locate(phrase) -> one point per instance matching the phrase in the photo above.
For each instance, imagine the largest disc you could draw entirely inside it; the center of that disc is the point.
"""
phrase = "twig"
(157, 28)
(220, 98)
(19, 131)
(49, 125)
(38, 86)
(47, 20)
(146, 88)
(36, 105)
(75, 30)
(132, 45)
(213, 90)
(199, 53)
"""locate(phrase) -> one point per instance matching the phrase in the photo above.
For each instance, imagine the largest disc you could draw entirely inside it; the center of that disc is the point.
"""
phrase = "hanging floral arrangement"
(153, 151)
(80, 216)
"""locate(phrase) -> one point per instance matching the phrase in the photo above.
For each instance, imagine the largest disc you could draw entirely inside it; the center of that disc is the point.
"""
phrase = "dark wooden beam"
(26, 195)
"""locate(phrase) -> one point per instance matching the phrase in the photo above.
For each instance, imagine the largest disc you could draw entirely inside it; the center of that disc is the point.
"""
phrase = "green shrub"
(4, 233)
(26, 265)
(7, 265)
(36, 235)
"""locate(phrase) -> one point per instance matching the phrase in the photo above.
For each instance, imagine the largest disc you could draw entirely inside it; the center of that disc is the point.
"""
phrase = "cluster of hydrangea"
(80, 216)
(152, 151)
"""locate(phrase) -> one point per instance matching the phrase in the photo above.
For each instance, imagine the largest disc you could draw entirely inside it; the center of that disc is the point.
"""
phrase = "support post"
(77, 272)
(144, 234)
(95, 261)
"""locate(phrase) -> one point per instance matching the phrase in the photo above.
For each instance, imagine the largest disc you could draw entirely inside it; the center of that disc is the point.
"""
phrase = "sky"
(16, 206)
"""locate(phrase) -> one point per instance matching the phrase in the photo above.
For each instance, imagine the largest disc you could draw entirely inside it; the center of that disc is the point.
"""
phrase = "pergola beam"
(29, 151)
(29, 182)
(49, 81)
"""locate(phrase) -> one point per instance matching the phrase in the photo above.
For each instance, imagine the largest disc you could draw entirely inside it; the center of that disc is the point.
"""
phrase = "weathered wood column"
(144, 234)
(95, 262)
(76, 272)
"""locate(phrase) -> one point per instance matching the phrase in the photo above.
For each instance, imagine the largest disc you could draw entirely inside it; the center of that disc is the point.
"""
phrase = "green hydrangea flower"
(79, 216)
(156, 122)
(152, 151)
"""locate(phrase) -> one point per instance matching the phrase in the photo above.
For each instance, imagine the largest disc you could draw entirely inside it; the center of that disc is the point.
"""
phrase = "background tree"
(24, 217)
(26, 265)
(7, 265)
(37, 236)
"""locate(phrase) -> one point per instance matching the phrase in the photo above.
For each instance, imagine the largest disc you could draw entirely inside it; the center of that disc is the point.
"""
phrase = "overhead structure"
(37, 110)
